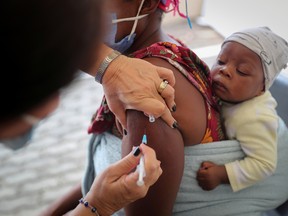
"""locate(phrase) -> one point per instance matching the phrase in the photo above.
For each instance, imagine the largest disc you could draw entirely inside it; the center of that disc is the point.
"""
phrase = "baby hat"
(271, 48)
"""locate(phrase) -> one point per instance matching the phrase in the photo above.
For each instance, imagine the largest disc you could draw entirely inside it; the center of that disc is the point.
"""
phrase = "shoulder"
(258, 110)
(263, 104)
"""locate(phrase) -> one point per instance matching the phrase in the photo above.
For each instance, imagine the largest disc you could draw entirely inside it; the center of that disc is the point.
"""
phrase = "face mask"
(21, 141)
(127, 41)
(18, 142)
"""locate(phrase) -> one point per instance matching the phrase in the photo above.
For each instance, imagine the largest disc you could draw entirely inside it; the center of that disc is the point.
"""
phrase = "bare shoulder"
(191, 113)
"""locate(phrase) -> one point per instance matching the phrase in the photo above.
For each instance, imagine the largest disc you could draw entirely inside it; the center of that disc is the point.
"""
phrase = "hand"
(210, 175)
(133, 84)
(115, 188)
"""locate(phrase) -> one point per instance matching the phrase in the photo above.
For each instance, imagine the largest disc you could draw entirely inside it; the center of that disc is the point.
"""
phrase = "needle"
(141, 167)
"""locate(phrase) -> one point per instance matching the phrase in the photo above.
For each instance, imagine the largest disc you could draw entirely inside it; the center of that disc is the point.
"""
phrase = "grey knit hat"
(271, 48)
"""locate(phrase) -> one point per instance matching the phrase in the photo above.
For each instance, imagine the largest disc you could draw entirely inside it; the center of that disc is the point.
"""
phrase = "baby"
(245, 69)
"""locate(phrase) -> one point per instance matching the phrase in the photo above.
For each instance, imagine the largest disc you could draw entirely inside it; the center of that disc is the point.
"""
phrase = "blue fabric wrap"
(191, 200)
(265, 195)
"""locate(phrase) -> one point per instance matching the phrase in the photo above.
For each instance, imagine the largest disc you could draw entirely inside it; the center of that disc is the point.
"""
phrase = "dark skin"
(210, 175)
(167, 142)
(65, 204)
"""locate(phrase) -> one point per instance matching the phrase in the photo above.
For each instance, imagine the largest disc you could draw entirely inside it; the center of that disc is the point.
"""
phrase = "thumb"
(206, 164)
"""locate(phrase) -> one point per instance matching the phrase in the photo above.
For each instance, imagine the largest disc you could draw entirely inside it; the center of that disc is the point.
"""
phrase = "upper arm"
(169, 147)
(258, 139)
(191, 113)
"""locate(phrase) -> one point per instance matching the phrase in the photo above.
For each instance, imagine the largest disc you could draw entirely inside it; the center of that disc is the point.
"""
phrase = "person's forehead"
(237, 49)
(241, 54)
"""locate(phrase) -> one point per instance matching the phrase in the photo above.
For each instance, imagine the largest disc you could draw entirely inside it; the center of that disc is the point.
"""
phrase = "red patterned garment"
(193, 68)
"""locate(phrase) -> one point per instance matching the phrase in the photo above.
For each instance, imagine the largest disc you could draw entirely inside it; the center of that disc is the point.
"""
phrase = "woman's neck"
(151, 33)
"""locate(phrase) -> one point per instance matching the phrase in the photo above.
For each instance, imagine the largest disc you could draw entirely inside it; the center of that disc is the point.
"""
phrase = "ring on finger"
(162, 86)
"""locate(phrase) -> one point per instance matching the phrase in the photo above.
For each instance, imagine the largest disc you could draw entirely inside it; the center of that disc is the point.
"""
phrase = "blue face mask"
(20, 141)
(122, 45)
(126, 42)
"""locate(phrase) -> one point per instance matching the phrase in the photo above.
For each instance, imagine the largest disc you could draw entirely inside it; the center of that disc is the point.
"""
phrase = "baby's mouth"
(219, 85)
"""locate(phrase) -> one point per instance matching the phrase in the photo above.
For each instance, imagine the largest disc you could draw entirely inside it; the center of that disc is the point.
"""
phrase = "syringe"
(141, 167)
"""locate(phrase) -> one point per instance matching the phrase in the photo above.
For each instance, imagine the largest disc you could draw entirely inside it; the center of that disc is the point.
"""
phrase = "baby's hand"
(210, 175)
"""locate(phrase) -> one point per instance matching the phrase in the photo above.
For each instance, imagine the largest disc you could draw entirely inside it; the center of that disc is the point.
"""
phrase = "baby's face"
(237, 74)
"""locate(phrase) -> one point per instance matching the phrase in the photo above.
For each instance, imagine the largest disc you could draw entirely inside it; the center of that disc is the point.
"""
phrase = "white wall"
(194, 11)
(227, 16)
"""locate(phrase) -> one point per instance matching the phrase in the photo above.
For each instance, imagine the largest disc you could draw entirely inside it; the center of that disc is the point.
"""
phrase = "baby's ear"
(149, 6)
(261, 93)
(263, 89)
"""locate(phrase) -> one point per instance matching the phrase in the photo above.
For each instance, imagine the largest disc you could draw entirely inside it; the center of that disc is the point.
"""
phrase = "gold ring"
(162, 86)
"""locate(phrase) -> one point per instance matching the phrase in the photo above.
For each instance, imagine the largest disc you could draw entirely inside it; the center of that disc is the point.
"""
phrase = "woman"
(197, 112)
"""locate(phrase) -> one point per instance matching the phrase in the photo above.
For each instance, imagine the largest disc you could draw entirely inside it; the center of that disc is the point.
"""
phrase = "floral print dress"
(193, 68)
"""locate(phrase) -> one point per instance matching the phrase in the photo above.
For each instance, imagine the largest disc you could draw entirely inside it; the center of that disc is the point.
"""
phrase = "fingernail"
(136, 151)
(174, 108)
(125, 132)
(175, 125)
